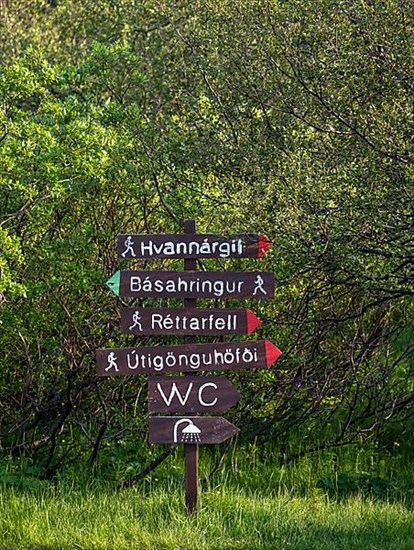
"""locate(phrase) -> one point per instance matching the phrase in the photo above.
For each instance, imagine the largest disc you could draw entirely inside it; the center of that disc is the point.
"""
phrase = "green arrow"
(114, 282)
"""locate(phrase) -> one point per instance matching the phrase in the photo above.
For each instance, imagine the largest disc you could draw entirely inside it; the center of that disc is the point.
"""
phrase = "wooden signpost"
(191, 448)
(191, 284)
(189, 394)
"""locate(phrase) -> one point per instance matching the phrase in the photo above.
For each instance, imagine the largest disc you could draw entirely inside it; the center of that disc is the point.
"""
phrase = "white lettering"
(174, 391)
(168, 323)
(181, 248)
(200, 394)
(146, 248)
(158, 249)
(135, 284)
(195, 323)
(169, 248)
(224, 250)
(194, 248)
(220, 324)
(170, 286)
(218, 288)
(158, 286)
(147, 285)
(156, 318)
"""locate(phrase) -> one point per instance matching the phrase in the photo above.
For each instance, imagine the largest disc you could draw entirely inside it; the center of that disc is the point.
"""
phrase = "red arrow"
(263, 246)
(272, 353)
(252, 321)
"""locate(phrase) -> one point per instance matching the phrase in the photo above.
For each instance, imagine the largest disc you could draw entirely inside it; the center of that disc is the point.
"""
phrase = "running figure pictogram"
(259, 285)
(112, 358)
(129, 247)
(137, 321)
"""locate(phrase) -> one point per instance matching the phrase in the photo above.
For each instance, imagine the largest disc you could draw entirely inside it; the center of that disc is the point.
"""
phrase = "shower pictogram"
(189, 434)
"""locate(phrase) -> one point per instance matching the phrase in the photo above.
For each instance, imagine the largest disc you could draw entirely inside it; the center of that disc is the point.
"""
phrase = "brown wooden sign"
(191, 394)
(202, 430)
(192, 246)
(192, 284)
(186, 358)
(150, 320)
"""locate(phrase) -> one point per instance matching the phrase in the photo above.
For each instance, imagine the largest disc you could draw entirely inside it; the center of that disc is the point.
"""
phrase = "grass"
(321, 502)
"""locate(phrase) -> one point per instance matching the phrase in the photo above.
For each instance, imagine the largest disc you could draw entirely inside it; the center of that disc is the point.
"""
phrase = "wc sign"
(191, 394)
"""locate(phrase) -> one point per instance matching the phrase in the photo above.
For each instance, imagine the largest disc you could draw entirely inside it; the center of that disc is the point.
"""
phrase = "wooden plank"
(192, 246)
(260, 354)
(190, 450)
(203, 430)
(191, 394)
(169, 321)
(192, 284)
(191, 478)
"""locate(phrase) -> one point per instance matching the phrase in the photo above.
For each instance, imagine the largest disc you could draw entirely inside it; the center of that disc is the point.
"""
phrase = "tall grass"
(322, 502)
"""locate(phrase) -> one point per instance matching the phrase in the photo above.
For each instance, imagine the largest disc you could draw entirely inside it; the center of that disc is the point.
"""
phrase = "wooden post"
(190, 450)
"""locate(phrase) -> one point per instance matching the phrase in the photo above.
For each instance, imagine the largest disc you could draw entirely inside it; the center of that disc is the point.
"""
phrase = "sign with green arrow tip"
(193, 284)
(114, 283)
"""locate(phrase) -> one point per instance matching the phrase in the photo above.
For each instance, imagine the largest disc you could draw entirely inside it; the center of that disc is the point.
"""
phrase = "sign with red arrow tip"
(259, 354)
(203, 430)
(187, 321)
(192, 246)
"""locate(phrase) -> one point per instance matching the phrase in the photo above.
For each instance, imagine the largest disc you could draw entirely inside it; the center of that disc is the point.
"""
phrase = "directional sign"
(192, 284)
(190, 429)
(186, 358)
(187, 321)
(191, 394)
(192, 246)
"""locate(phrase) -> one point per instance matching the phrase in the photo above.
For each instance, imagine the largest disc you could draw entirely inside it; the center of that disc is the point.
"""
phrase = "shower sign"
(192, 246)
(192, 284)
(206, 430)
(187, 321)
(191, 394)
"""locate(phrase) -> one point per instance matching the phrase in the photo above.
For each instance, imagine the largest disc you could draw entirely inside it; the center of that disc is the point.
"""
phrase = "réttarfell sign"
(169, 321)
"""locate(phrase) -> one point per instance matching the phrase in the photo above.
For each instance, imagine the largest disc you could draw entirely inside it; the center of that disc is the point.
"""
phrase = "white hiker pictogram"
(259, 285)
(136, 321)
(129, 247)
(112, 358)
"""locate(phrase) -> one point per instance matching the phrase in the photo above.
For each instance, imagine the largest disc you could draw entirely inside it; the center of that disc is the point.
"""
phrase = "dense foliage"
(289, 118)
